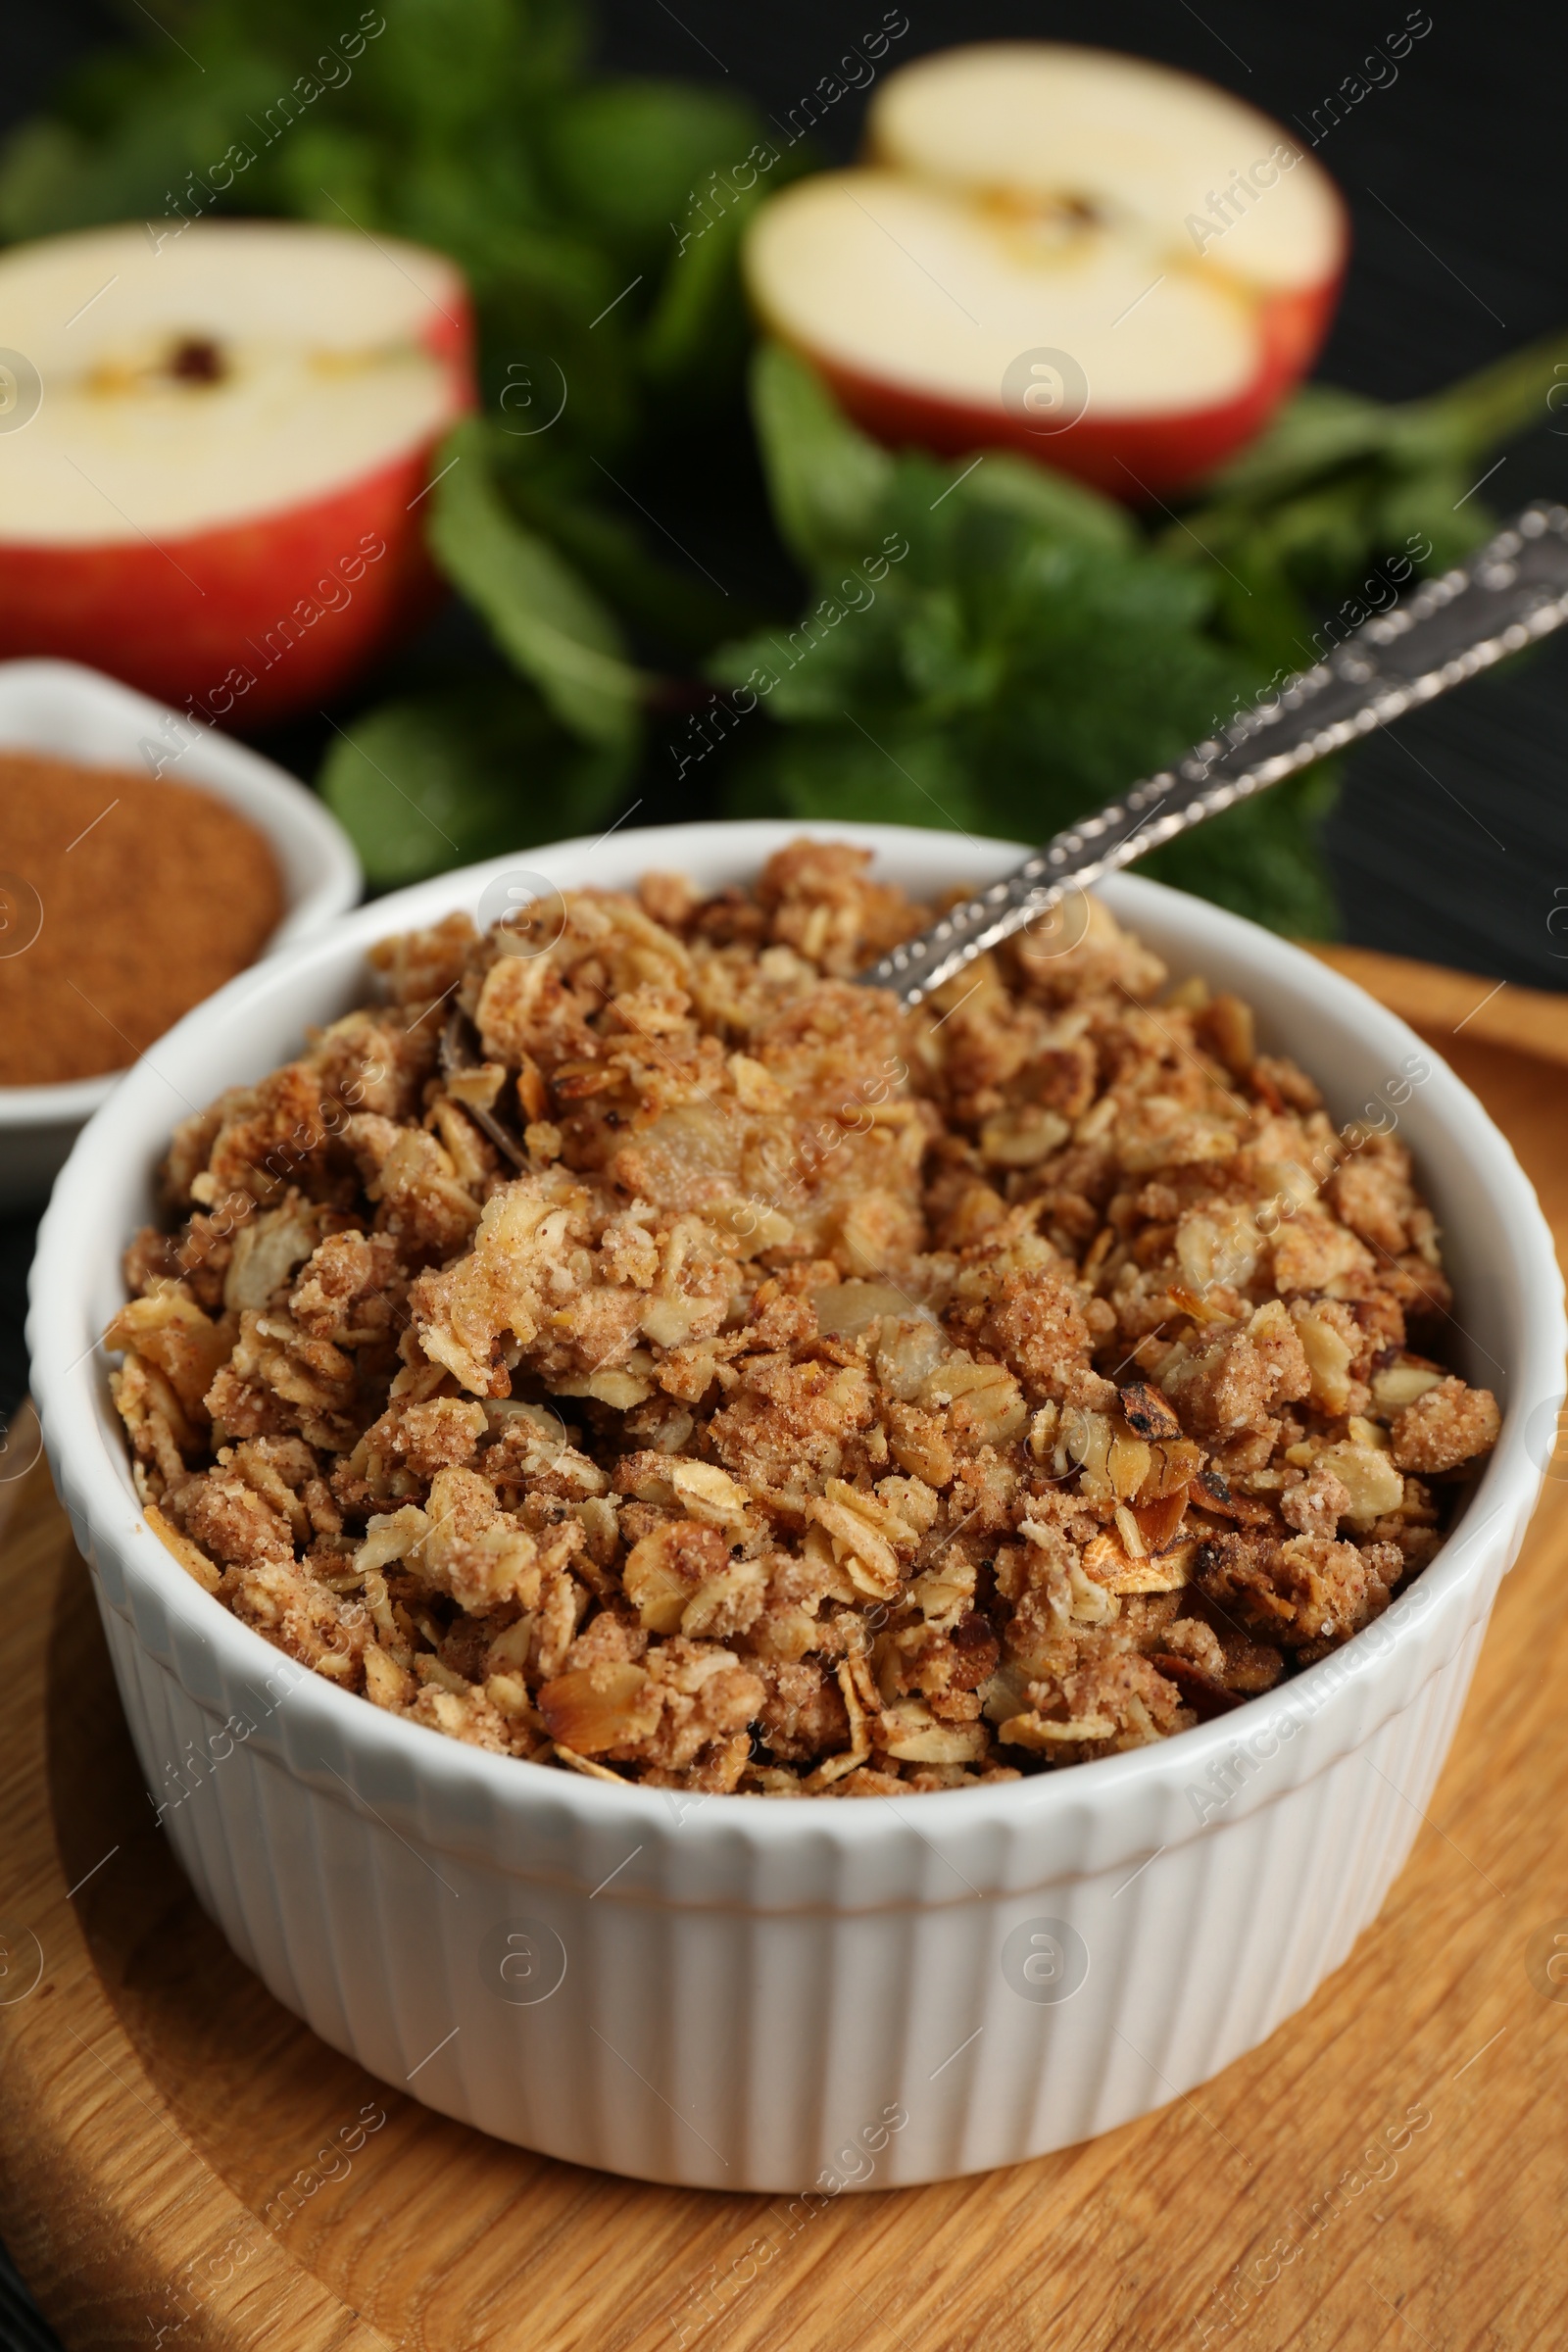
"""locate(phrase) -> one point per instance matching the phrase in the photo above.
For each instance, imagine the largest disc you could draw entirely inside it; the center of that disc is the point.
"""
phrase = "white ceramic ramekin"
(748, 1994)
(77, 713)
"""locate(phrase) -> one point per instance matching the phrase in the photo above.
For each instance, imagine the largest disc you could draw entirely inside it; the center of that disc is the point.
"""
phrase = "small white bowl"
(71, 712)
(739, 1993)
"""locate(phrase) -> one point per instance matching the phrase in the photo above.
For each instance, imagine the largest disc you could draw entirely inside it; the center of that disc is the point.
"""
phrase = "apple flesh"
(214, 496)
(1106, 264)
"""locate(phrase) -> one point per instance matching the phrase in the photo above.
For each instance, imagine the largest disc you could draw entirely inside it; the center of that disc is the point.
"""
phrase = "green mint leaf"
(632, 159)
(1058, 505)
(827, 480)
(539, 609)
(444, 779)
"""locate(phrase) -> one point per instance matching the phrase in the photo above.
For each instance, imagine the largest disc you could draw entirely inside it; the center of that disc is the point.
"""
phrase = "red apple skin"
(1132, 458)
(1127, 457)
(188, 621)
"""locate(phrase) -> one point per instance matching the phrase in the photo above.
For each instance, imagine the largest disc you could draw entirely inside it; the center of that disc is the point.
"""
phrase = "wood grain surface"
(183, 2163)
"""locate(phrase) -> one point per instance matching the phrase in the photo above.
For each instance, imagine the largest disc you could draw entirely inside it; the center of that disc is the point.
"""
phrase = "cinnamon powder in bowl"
(124, 902)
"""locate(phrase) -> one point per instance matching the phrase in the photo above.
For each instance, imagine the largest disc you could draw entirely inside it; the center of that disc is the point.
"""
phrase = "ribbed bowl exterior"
(725, 2047)
(731, 1994)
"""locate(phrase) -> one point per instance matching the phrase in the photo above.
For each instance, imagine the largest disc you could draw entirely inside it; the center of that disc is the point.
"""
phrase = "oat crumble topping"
(819, 1400)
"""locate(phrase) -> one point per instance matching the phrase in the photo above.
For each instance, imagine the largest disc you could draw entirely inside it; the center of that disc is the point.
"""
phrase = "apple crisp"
(630, 1345)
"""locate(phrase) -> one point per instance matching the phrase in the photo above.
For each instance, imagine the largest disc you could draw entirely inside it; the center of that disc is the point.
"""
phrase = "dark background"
(1452, 834)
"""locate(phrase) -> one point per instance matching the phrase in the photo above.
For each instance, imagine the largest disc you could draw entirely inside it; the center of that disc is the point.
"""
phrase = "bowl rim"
(456, 1777)
(291, 816)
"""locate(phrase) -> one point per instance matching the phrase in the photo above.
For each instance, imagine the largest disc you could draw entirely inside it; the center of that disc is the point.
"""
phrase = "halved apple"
(214, 497)
(1107, 264)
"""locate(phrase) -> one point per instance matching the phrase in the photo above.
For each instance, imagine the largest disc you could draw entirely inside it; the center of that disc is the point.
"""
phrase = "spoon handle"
(1512, 591)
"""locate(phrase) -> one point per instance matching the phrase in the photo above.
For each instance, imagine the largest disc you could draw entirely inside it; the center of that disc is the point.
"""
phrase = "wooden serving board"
(155, 2102)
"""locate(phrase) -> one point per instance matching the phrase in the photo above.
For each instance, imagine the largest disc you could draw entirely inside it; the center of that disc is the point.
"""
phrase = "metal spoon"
(1514, 591)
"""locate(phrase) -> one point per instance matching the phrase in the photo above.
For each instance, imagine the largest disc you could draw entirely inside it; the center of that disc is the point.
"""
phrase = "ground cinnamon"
(123, 903)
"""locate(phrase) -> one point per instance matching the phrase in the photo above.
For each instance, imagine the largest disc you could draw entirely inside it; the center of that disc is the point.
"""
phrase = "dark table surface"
(1450, 837)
